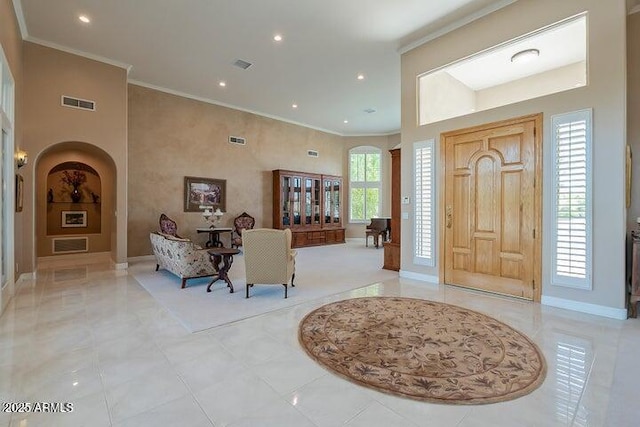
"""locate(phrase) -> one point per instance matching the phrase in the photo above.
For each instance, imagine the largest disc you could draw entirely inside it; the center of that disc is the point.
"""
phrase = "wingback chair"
(268, 257)
(242, 222)
(168, 226)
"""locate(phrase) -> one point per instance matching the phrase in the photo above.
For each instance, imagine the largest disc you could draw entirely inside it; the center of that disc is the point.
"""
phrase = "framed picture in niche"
(204, 192)
(74, 219)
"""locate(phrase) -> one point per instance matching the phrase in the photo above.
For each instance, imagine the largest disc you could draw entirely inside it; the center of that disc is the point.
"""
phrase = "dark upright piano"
(379, 227)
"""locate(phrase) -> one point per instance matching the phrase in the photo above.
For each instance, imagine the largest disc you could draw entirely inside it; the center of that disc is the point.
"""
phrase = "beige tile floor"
(89, 335)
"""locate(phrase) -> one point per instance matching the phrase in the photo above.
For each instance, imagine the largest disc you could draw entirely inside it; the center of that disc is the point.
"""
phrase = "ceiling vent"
(237, 140)
(370, 110)
(82, 104)
(242, 64)
(313, 153)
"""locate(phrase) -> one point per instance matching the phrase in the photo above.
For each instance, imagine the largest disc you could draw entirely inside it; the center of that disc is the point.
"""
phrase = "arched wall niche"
(74, 204)
(57, 215)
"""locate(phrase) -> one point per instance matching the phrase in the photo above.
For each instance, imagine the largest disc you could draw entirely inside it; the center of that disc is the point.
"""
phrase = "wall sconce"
(21, 158)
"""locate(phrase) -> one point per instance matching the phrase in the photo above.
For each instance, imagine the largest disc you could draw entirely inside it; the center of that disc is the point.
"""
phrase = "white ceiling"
(188, 46)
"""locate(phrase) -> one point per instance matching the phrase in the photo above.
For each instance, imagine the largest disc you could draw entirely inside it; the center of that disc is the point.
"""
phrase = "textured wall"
(171, 137)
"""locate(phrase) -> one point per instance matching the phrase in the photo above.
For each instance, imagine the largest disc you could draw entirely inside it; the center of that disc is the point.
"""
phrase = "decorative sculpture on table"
(74, 179)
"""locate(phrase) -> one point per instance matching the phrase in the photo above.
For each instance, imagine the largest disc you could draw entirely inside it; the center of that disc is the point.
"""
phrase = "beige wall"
(560, 79)
(633, 113)
(443, 96)
(49, 74)
(605, 94)
(171, 137)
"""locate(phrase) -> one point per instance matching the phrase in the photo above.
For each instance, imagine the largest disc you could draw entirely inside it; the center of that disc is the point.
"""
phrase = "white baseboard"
(419, 276)
(583, 307)
(27, 276)
(120, 265)
(142, 258)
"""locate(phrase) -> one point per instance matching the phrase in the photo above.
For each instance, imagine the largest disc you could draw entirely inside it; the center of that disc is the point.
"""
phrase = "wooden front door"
(492, 207)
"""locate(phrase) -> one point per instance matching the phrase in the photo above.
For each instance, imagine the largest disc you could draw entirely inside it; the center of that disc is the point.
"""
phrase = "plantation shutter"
(424, 192)
(572, 199)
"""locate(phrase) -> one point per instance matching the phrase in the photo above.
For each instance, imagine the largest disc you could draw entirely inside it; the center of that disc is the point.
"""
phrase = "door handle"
(449, 212)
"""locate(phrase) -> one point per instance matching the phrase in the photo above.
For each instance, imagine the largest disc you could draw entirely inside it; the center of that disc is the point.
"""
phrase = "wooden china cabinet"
(310, 205)
(392, 247)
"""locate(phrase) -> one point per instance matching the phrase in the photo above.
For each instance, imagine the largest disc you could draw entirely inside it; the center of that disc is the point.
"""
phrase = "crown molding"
(455, 25)
(17, 7)
(80, 53)
(634, 9)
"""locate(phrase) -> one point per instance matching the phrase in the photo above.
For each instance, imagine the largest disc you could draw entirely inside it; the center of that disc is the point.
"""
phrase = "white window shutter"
(572, 212)
(424, 195)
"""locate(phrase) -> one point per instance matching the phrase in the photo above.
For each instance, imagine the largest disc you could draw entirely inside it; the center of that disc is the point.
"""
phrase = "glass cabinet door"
(297, 200)
(308, 202)
(327, 202)
(316, 201)
(336, 202)
(286, 201)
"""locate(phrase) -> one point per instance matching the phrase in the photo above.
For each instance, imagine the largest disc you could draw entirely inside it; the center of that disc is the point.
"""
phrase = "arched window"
(365, 183)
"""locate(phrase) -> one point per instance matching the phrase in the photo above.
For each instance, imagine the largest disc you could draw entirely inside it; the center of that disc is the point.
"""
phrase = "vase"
(75, 195)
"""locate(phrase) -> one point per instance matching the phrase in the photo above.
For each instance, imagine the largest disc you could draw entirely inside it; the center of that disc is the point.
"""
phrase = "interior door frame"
(537, 137)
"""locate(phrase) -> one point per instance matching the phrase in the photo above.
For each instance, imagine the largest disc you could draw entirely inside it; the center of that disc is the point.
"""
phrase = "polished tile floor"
(89, 335)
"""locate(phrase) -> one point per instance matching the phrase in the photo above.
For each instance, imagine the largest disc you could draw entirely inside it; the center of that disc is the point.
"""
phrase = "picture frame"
(19, 192)
(207, 192)
(74, 219)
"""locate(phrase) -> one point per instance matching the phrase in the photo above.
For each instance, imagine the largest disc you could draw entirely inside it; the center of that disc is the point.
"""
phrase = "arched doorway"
(75, 200)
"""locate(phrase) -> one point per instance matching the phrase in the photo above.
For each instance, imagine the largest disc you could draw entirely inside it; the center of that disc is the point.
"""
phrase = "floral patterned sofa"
(181, 256)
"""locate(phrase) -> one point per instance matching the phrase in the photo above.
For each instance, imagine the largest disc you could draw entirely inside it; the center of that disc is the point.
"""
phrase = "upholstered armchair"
(241, 223)
(268, 257)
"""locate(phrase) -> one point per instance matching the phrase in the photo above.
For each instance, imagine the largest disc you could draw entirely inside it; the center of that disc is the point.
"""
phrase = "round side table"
(222, 258)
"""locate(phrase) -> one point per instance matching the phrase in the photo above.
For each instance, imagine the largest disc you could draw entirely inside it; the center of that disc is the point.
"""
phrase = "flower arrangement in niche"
(74, 179)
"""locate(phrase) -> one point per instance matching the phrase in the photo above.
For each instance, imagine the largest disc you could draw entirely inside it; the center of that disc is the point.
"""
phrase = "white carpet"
(320, 271)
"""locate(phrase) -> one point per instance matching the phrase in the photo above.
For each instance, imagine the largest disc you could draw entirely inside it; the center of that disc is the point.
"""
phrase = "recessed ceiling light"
(277, 38)
(222, 83)
(294, 105)
(84, 18)
(346, 121)
(525, 56)
(360, 76)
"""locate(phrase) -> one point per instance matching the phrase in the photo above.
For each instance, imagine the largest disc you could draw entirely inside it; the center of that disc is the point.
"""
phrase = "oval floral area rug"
(423, 350)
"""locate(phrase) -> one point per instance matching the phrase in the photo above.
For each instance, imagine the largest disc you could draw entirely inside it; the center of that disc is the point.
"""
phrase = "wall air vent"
(313, 153)
(242, 64)
(237, 140)
(65, 245)
(82, 104)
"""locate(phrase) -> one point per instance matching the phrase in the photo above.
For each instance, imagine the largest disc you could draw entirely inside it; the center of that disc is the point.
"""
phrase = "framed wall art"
(74, 219)
(19, 192)
(204, 192)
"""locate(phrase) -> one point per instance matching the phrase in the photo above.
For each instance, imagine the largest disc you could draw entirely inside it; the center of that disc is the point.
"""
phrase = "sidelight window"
(572, 214)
